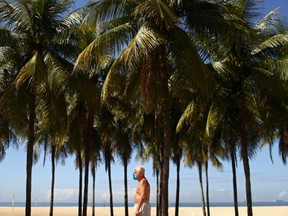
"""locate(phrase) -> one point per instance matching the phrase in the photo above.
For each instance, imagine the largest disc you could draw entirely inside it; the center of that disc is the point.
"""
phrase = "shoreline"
(182, 205)
(120, 211)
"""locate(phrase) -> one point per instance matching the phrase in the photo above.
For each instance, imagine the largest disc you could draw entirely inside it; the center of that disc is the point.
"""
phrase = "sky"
(269, 180)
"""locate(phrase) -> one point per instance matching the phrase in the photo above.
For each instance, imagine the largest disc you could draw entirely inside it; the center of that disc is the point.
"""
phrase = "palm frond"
(32, 70)
(140, 46)
(270, 23)
(159, 12)
(107, 10)
(272, 42)
(100, 48)
(189, 64)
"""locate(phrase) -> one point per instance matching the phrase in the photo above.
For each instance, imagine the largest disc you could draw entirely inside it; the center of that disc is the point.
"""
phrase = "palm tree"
(75, 125)
(243, 65)
(35, 29)
(94, 161)
(7, 133)
(124, 151)
(177, 150)
(106, 129)
(155, 45)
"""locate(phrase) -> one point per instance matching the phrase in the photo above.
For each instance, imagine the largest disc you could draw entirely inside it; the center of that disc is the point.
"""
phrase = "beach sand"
(119, 211)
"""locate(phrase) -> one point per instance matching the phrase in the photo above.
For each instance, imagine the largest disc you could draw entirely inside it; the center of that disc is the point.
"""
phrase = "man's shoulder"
(144, 181)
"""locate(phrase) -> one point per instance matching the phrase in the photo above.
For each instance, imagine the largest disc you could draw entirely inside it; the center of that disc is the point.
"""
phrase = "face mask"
(134, 176)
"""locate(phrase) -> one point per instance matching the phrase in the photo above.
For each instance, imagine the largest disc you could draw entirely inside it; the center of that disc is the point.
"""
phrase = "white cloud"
(221, 190)
(66, 194)
(283, 195)
(61, 195)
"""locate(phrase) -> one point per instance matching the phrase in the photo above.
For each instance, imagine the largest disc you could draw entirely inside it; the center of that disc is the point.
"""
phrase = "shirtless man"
(141, 201)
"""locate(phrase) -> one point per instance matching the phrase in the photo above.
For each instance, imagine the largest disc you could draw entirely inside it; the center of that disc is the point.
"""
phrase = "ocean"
(105, 204)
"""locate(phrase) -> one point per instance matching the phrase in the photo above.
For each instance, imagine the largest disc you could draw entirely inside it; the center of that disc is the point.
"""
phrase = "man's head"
(139, 172)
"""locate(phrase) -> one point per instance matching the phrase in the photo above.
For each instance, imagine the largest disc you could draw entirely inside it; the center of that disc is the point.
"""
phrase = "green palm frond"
(159, 12)
(272, 42)
(8, 38)
(18, 16)
(189, 64)
(74, 18)
(32, 71)
(141, 45)
(107, 10)
(145, 41)
(269, 23)
(185, 117)
(100, 48)
(57, 73)
(212, 120)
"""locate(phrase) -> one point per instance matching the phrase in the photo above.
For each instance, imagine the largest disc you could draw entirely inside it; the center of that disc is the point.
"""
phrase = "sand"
(119, 211)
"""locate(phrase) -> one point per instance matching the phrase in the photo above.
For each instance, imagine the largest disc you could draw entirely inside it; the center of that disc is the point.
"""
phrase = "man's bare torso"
(142, 192)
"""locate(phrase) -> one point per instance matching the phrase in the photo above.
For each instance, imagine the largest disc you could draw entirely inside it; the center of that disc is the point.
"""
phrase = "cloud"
(283, 195)
(221, 190)
(61, 195)
(66, 194)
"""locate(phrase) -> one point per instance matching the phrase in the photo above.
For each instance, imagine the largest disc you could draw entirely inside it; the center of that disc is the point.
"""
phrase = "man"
(141, 201)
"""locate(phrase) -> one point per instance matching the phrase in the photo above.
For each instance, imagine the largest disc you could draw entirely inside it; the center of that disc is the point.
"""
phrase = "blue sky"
(269, 181)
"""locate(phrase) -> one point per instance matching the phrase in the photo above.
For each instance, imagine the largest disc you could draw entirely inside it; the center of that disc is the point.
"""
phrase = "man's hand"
(137, 213)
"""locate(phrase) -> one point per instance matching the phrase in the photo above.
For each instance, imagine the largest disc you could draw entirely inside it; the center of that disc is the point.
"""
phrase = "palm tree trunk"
(232, 155)
(166, 130)
(87, 142)
(53, 179)
(86, 182)
(29, 158)
(201, 187)
(80, 182)
(247, 178)
(126, 189)
(207, 188)
(160, 175)
(93, 189)
(110, 190)
(157, 194)
(177, 187)
(158, 160)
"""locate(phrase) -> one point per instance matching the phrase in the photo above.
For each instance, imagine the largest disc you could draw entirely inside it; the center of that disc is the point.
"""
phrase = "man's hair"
(140, 168)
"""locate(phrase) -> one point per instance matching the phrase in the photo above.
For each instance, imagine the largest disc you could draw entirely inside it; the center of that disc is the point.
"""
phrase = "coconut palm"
(35, 29)
(95, 159)
(124, 151)
(75, 125)
(243, 72)
(151, 31)
(7, 93)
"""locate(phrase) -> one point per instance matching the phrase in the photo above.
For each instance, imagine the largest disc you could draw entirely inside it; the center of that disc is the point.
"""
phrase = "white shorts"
(144, 210)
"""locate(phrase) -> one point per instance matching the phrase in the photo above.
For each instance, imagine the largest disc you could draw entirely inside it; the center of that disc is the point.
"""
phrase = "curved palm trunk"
(201, 188)
(110, 190)
(177, 188)
(53, 179)
(166, 130)
(232, 155)
(247, 179)
(207, 188)
(126, 189)
(80, 183)
(93, 189)
(29, 156)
